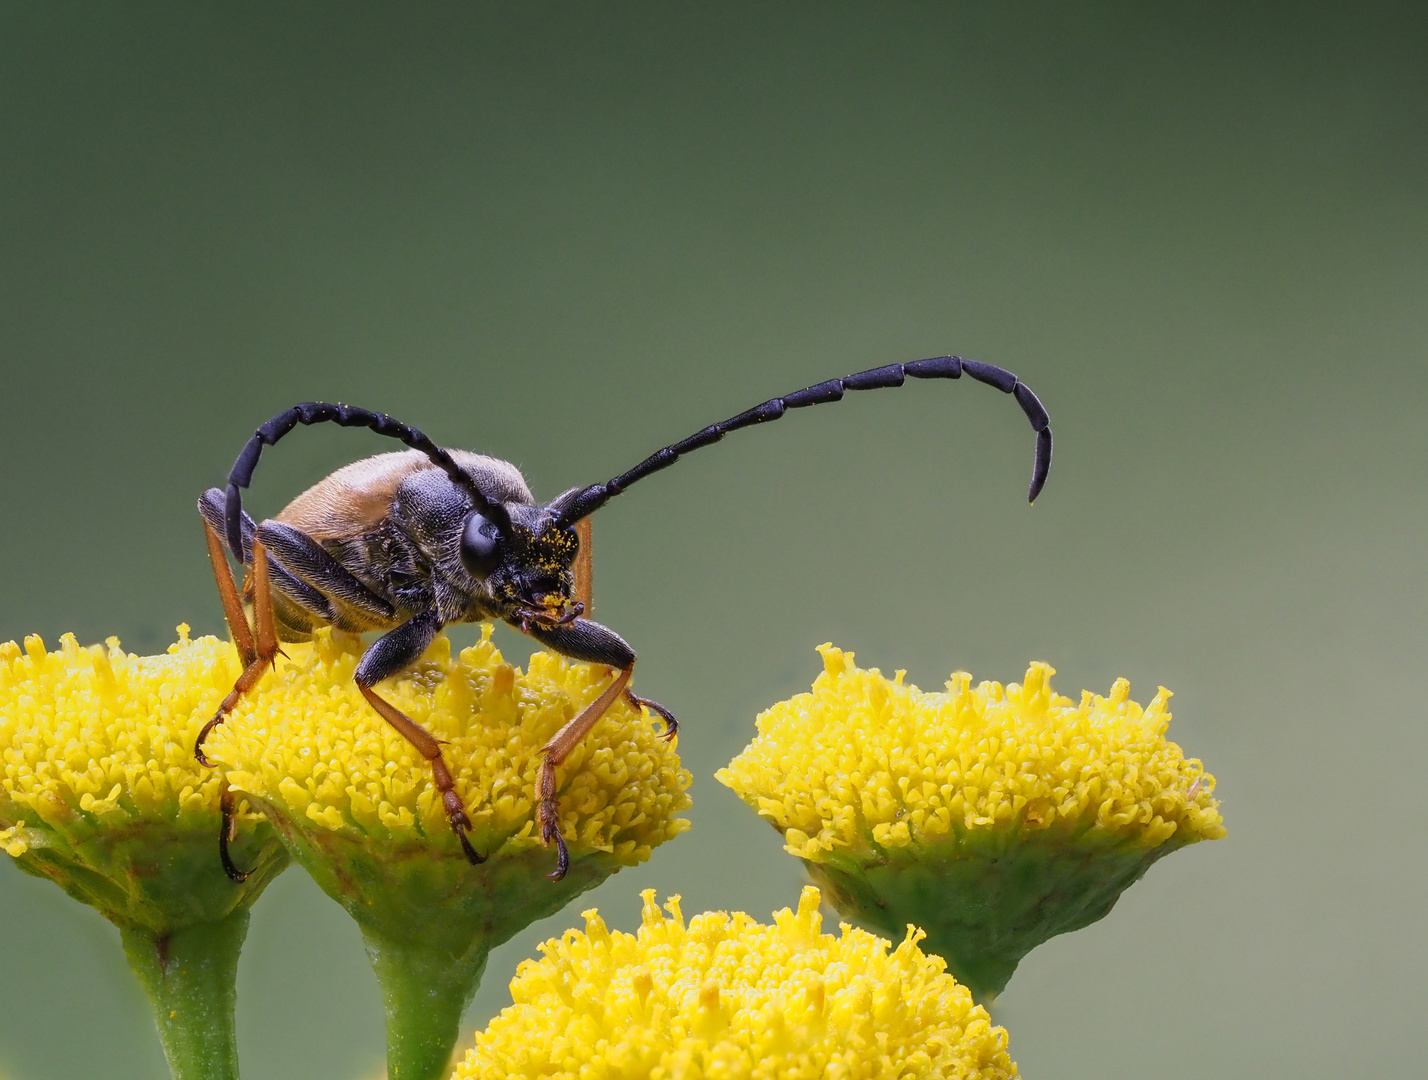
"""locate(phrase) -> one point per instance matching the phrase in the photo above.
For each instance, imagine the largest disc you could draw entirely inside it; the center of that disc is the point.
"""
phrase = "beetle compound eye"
(480, 546)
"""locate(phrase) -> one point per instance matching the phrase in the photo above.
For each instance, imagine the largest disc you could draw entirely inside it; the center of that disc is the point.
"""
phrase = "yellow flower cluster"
(98, 733)
(308, 741)
(729, 997)
(865, 760)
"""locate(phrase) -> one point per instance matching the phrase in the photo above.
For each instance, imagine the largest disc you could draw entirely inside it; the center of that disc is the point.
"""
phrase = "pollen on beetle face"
(726, 996)
(993, 816)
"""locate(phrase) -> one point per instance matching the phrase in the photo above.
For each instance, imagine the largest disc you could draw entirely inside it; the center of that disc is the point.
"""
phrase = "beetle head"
(524, 563)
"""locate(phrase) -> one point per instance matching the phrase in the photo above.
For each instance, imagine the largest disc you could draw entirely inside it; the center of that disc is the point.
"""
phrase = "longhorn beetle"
(406, 542)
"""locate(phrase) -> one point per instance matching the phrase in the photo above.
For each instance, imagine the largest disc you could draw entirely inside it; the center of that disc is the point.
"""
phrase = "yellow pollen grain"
(308, 741)
(726, 996)
(863, 761)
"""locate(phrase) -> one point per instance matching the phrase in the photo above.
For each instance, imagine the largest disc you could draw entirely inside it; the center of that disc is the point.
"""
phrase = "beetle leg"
(584, 640)
(388, 655)
(553, 754)
(255, 655)
(263, 607)
(227, 806)
(584, 583)
(259, 654)
(228, 593)
(671, 725)
(597, 645)
(429, 747)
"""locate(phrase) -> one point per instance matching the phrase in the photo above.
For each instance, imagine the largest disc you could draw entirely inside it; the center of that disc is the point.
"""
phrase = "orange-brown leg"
(429, 747)
(553, 754)
(256, 655)
(584, 583)
(228, 592)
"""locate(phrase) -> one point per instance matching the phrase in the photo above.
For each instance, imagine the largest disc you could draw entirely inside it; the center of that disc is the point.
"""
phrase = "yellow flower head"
(864, 762)
(973, 812)
(728, 997)
(99, 789)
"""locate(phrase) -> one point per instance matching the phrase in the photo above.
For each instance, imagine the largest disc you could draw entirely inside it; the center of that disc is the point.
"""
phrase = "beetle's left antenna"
(581, 502)
(320, 412)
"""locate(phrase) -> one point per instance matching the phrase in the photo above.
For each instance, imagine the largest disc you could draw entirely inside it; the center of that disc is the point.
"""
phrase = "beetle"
(405, 543)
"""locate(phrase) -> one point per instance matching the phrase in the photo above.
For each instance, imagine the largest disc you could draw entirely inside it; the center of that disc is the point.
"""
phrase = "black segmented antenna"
(319, 412)
(581, 502)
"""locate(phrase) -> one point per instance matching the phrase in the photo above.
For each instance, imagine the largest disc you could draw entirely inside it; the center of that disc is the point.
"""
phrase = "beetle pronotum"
(408, 542)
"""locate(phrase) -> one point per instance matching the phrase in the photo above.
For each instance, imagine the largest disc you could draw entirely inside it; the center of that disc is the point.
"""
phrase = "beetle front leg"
(389, 655)
(671, 724)
(553, 755)
(592, 643)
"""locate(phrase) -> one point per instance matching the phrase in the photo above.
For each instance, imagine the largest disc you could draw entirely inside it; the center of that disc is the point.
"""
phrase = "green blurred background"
(566, 234)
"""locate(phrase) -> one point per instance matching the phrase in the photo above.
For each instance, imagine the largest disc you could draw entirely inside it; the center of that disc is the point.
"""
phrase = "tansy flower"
(994, 817)
(729, 997)
(100, 793)
(356, 806)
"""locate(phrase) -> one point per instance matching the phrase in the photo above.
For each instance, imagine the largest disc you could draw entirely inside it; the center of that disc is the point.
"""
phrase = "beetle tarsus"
(474, 857)
(550, 832)
(671, 725)
(198, 753)
(227, 831)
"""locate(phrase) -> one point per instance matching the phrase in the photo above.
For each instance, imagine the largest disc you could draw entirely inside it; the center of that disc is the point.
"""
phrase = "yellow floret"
(865, 763)
(729, 997)
(308, 742)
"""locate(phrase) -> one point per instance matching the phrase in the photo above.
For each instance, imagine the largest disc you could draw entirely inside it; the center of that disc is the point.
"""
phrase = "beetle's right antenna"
(319, 412)
(581, 502)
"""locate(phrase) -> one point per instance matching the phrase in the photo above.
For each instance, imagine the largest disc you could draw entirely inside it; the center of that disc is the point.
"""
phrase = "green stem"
(426, 988)
(189, 976)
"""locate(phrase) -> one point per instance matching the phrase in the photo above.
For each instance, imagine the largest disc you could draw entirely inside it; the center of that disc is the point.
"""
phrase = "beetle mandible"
(407, 542)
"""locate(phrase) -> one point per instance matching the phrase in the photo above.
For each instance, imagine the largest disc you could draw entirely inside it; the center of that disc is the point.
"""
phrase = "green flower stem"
(189, 977)
(425, 989)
